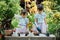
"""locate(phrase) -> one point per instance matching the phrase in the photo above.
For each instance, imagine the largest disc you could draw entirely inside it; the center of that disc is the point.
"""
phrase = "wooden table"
(29, 38)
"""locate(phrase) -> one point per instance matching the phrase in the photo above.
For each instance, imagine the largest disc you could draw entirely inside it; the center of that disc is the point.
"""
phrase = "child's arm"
(46, 24)
(45, 21)
(36, 22)
(27, 25)
(36, 19)
(27, 22)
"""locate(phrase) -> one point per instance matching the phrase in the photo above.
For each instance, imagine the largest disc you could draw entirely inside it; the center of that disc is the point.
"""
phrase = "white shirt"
(40, 17)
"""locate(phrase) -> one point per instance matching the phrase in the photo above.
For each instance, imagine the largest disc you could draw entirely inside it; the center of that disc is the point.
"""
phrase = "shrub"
(8, 9)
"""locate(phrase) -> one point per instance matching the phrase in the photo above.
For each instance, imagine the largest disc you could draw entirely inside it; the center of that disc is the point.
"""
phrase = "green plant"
(52, 8)
(15, 23)
(31, 17)
(3, 9)
(8, 9)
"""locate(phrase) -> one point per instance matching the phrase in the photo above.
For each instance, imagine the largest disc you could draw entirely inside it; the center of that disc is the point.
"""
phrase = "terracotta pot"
(8, 32)
(0, 36)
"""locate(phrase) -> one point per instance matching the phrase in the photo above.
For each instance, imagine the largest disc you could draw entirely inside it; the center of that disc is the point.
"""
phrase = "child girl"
(23, 21)
(40, 19)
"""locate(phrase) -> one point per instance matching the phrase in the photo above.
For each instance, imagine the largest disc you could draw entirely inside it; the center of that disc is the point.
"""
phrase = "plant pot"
(8, 32)
(0, 36)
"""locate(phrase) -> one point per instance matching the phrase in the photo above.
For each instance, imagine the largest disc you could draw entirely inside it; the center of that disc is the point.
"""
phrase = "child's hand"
(31, 30)
(14, 30)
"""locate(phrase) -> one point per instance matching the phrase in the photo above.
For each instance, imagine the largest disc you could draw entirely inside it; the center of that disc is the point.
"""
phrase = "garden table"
(29, 38)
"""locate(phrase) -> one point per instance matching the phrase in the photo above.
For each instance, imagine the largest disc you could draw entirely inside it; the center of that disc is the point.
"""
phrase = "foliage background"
(52, 8)
(7, 10)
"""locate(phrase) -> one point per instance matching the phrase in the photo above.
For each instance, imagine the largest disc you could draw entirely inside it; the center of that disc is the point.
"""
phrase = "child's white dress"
(22, 24)
(41, 23)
